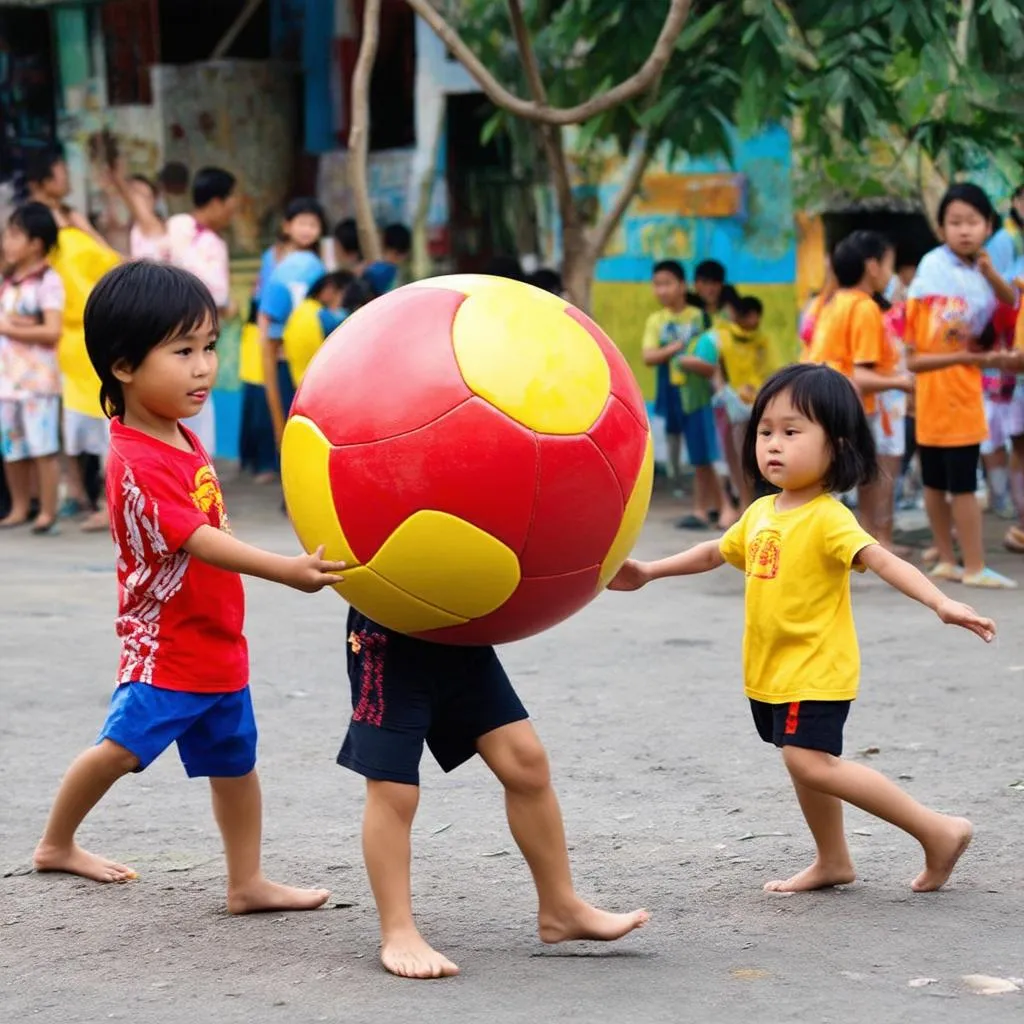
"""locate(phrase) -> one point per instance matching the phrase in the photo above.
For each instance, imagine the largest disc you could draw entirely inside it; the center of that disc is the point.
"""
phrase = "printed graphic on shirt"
(764, 554)
(206, 495)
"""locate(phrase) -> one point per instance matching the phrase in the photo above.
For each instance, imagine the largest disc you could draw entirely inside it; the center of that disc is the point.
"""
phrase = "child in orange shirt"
(950, 303)
(850, 337)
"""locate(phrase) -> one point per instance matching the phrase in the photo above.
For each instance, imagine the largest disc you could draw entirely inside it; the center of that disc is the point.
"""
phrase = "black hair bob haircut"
(673, 267)
(972, 195)
(307, 204)
(850, 256)
(134, 308)
(36, 221)
(827, 398)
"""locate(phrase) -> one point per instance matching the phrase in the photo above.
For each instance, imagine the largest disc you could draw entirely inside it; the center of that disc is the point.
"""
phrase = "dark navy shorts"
(812, 724)
(407, 692)
(215, 732)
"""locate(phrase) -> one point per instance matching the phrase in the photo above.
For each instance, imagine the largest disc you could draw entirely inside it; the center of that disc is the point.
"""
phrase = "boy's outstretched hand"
(310, 573)
(632, 576)
(954, 613)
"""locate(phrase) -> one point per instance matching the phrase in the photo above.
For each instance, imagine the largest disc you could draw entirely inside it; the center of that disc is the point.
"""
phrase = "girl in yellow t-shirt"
(809, 437)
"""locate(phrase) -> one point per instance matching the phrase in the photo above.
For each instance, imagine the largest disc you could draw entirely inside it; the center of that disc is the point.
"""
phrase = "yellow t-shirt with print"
(250, 356)
(303, 334)
(744, 355)
(80, 261)
(800, 642)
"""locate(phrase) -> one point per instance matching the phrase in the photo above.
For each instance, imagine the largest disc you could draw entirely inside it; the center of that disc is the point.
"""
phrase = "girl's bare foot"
(583, 921)
(817, 876)
(263, 895)
(408, 955)
(76, 861)
(940, 857)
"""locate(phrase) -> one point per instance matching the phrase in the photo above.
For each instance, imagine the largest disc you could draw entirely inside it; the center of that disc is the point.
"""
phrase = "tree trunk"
(578, 265)
(359, 134)
(421, 262)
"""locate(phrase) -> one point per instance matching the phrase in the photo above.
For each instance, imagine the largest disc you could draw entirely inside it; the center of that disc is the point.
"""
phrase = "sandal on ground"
(70, 507)
(947, 571)
(692, 522)
(98, 522)
(50, 529)
(989, 579)
(930, 556)
(5, 525)
(1014, 540)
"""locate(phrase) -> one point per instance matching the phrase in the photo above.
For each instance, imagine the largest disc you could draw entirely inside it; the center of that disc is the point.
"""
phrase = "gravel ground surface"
(671, 802)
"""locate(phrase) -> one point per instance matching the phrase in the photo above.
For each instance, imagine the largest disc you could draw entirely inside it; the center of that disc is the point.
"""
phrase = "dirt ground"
(670, 799)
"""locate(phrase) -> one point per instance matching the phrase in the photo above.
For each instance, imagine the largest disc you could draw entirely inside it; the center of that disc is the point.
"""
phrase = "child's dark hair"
(827, 398)
(211, 183)
(547, 280)
(143, 180)
(673, 267)
(397, 238)
(850, 256)
(40, 164)
(972, 195)
(358, 293)
(173, 176)
(710, 270)
(730, 298)
(36, 221)
(134, 308)
(346, 234)
(306, 204)
(748, 306)
(339, 279)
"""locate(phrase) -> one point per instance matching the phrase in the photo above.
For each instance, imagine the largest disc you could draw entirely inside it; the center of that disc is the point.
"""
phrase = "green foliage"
(869, 86)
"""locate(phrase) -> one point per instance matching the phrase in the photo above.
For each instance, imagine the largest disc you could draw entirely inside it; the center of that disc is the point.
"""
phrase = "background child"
(305, 224)
(743, 353)
(183, 675)
(459, 701)
(31, 311)
(312, 320)
(809, 437)
(950, 303)
(709, 283)
(665, 336)
(383, 273)
(850, 337)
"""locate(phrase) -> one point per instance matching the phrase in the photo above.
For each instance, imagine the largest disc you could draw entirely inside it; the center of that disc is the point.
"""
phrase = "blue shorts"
(215, 732)
(701, 436)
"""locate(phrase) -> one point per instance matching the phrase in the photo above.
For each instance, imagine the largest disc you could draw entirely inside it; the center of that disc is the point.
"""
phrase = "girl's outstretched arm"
(912, 582)
(702, 558)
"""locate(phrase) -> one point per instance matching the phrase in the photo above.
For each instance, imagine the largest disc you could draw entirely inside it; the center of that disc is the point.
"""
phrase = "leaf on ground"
(862, 831)
(748, 973)
(987, 985)
(922, 982)
(1018, 785)
(760, 835)
(497, 853)
(906, 777)
(869, 751)
(441, 828)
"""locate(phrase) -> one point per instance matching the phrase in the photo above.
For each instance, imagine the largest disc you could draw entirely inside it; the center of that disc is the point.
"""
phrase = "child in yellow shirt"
(809, 438)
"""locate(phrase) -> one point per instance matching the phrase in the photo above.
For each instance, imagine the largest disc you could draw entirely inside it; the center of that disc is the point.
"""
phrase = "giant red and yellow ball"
(477, 450)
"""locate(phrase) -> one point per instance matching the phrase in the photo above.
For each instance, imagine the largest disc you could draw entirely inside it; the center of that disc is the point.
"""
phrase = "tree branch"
(632, 87)
(627, 190)
(359, 134)
(550, 135)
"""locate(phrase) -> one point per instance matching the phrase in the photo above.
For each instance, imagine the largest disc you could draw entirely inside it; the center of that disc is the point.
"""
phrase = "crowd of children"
(933, 350)
(52, 259)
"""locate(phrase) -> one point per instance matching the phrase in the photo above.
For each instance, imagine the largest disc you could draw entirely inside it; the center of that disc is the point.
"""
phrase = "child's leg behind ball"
(515, 754)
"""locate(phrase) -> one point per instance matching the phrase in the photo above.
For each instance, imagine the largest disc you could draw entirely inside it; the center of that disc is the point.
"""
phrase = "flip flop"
(692, 522)
(1014, 540)
(989, 579)
(947, 571)
(14, 526)
(50, 529)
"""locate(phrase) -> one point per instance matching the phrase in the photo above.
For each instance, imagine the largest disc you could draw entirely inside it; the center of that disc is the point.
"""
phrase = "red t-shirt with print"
(179, 618)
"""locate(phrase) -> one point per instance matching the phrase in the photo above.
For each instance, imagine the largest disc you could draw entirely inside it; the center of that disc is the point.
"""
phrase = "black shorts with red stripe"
(812, 724)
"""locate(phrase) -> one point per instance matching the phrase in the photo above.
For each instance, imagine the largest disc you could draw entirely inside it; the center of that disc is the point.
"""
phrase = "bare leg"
(674, 443)
(940, 518)
(238, 808)
(966, 513)
(74, 480)
(387, 824)
(944, 838)
(515, 755)
(19, 483)
(707, 491)
(833, 864)
(91, 774)
(48, 471)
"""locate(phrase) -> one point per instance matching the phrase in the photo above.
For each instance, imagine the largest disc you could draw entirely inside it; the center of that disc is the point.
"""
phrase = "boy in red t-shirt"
(151, 332)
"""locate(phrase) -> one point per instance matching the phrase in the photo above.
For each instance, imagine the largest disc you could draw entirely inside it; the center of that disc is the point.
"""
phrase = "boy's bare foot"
(408, 955)
(76, 861)
(263, 895)
(941, 857)
(586, 922)
(817, 876)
